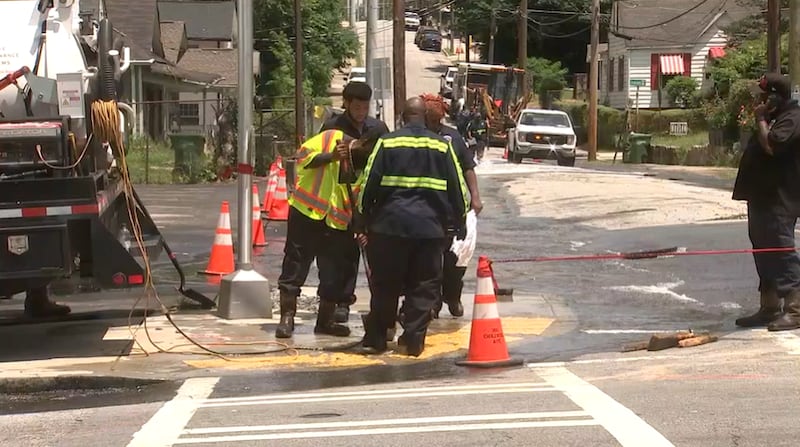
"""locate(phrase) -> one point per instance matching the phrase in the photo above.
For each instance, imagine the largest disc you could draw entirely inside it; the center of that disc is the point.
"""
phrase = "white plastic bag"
(466, 247)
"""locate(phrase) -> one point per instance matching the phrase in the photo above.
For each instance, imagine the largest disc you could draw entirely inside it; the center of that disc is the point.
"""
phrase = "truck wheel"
(515, 158)
(566, 161)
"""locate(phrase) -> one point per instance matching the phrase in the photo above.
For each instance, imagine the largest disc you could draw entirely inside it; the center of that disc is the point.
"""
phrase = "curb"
(30, 385)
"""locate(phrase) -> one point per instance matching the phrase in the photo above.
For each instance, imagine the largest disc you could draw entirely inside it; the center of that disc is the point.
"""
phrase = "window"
(544, 119)
(621, 74)
(189, 114)
(664, 67)
(611, 83)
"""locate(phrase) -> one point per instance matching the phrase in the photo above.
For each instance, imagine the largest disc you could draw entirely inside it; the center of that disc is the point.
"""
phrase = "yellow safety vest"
(318, 194)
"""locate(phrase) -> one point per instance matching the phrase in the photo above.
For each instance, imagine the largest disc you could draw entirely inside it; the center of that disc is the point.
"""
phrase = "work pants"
(452, 279)
(771, 226)
(402, 265)
(352, 275)
(307, 239)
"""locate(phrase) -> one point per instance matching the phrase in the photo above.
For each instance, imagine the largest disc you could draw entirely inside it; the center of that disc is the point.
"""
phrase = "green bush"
(681, 90)
(611, 122)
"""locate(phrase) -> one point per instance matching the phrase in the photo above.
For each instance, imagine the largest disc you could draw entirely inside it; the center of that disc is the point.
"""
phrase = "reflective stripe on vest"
(416, 142)
(435, 184)
(318, 195)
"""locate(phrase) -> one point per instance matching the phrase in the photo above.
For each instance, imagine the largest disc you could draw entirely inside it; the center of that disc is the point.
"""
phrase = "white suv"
(542, 134)
(412, 21)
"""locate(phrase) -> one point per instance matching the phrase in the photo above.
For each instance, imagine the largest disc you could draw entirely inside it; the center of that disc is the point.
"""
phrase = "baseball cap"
(776, 83)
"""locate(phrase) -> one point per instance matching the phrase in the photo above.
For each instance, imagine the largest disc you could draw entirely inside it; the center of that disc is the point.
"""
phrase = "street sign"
(638, 83)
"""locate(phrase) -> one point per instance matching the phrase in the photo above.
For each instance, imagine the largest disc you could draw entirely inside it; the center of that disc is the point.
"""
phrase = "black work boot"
(342, 312)
(326, 324)
(791, 314)
(38, 305)
(414, 350)
(456, 308)
(769, 311)
(288, 309)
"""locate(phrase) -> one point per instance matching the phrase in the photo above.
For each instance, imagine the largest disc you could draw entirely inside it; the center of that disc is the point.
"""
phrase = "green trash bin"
(638, 145)
(189, 156)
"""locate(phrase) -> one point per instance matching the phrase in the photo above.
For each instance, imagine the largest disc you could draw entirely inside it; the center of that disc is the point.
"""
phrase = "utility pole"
(593, 80)
(492, 31)
(245, 293)
(794, 47)
(452, 29)
(774, 35)
(522, 41)
(399, 56)
(299, 103)
(353, 16)
(468, 48)
(372, 46)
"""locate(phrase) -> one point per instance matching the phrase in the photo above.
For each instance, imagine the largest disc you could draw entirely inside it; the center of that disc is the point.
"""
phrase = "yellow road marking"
(445, 337)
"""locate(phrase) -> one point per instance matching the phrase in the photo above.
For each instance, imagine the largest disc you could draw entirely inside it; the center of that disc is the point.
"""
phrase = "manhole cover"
(320, 415)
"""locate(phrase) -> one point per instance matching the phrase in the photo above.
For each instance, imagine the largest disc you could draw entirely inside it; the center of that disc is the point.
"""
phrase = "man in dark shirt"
(453, 276)
(413, 194)
(769, 180)
(355, 122)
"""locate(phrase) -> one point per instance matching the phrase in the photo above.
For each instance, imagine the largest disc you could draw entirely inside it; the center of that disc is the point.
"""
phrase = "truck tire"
(566, 161)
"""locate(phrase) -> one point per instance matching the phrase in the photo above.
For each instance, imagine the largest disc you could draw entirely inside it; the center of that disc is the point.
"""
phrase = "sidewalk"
(457, 43)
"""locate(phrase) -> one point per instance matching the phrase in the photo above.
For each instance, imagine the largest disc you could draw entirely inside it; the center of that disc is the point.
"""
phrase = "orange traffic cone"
(258, 228)
(272, 185)
(487, 344)
(505, 153)
(221, 260)
(279, 208)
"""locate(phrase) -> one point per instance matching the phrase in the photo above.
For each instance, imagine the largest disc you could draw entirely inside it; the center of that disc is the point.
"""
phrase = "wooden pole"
(774, 35)
(399, 57)
(522, 42)
(794, 47)
(593, 81)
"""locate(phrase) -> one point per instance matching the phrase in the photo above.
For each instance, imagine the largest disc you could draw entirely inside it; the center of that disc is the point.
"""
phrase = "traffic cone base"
(487, 343)
(221, 261)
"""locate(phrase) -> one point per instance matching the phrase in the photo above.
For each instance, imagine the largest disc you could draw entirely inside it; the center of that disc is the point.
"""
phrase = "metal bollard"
(290, 164)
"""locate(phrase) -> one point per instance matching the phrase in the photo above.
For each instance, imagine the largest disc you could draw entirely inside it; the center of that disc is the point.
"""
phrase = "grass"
(687, 141)
(150, 161)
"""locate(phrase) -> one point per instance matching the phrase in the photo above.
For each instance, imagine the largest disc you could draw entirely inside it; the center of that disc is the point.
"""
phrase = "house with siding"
(183, 60)
(653, 41)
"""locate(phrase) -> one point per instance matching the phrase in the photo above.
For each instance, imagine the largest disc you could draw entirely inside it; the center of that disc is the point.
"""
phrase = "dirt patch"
(619, 201)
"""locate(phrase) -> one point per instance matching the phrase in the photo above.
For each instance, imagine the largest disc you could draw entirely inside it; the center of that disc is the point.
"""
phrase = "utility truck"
(67, 208)
(495, 89)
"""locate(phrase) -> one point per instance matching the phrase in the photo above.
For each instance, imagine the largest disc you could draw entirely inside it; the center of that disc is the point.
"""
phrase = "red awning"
(716, 52)
(671, 64)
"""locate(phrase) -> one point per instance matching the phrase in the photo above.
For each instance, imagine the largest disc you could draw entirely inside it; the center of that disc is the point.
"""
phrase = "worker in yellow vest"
(320, 213)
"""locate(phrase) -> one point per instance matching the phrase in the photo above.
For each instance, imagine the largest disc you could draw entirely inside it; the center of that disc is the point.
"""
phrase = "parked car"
(542, 134)
(412, 21)
(431, 40)
(420, 32)
(446, 84)
(358, 74)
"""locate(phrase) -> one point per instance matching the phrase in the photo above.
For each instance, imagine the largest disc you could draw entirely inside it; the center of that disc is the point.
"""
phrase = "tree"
(560, 35)
(681, 90)
(327, 45)
(545, 75)
(753, 27)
